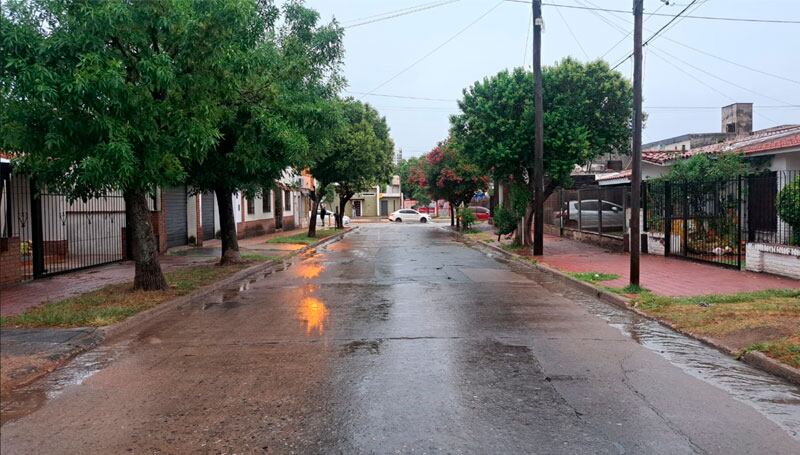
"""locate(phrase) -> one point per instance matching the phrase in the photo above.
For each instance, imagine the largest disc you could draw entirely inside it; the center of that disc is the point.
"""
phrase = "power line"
(701, 82)
(386, 95)
(527, 39)
(399, 13)
(756, 70)
(712, 18)
(741, 87)
(630, 32)
(572, 33)
(448, 40)
(654, 35)
(741, 65)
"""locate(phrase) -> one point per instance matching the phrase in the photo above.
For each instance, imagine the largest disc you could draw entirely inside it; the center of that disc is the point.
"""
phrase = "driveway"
(399, 339)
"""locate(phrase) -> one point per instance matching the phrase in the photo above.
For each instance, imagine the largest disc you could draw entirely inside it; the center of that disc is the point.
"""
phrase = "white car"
(409, 215)
(613, 214)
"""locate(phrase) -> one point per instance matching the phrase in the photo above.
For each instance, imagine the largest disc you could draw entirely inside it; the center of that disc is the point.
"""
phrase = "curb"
(131, 323)
(102, 334)
(752, 358)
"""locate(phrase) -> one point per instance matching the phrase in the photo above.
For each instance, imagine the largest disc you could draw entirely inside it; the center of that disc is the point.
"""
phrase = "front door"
(384, 208)
(278, 208)
(356, 208)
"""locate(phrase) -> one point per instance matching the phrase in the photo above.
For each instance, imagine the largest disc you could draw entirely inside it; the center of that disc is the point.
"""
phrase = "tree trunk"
(452, 214)
(340, 216)
(312, 221)
(527, 239)
(144, 251)
(227, 228)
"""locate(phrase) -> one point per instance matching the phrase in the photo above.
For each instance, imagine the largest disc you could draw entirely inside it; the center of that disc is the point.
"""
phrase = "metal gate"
(176, 216)
(207, 215)
(44, 233)
(699, 220)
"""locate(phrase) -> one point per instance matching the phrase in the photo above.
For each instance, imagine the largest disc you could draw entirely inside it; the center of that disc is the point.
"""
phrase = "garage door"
(175, 205)
(207, 216)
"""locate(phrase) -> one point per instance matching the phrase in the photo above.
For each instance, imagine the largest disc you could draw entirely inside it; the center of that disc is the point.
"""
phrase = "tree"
(450, 176)
(587, 112)
(275, 113)
(708, 168)
(788, 204)
(95, 98)
(359, 156)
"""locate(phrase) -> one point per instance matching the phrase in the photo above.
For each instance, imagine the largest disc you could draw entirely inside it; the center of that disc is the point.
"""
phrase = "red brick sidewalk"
(664, 276)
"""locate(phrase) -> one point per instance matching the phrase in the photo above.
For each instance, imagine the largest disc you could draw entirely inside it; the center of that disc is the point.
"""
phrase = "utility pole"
(538, 148)
(636, 177)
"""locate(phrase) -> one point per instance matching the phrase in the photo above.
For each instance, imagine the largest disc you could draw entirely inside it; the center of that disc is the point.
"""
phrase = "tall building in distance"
(398, 157)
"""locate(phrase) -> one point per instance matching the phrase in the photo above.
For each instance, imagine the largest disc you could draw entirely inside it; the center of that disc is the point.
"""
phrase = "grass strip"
(303, 238)
(116, 302)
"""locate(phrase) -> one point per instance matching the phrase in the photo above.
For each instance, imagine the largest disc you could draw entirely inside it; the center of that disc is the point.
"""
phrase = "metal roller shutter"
(208, 215)
(175, 205)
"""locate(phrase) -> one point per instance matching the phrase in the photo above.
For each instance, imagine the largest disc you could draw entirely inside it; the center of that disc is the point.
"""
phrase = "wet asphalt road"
(395, 340)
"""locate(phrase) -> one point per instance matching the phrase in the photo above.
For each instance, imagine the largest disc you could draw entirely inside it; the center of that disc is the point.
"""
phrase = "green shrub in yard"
(788, 203)
(467, 218)
(505, 222)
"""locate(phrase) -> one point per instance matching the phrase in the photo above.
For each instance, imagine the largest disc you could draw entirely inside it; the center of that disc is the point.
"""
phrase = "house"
(771, 149)
(379, 201)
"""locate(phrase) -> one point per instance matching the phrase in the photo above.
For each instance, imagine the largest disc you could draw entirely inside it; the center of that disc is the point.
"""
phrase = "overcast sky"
(676, 78)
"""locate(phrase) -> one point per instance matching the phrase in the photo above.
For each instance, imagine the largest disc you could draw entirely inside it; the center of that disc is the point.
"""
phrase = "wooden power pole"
(636, 171)
(538, 148)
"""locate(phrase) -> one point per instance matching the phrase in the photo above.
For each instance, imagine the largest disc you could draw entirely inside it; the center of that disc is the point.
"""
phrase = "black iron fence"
(712, 220)
(597, 210)
(44, 233)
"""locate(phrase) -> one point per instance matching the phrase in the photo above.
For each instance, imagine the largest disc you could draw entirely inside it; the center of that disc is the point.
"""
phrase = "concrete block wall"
(781, 260)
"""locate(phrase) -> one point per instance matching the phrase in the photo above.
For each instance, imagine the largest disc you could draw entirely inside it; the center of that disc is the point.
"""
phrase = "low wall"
(781, 260)
(11, 271)
(254, 228)
(612, 243)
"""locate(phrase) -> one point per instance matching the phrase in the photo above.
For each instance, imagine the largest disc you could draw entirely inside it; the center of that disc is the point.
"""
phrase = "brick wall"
(255, 228)
(10, 262)
(781, 260)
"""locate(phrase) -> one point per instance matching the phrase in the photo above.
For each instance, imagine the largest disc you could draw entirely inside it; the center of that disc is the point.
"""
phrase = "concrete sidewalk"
(661, 275)
(16, 299)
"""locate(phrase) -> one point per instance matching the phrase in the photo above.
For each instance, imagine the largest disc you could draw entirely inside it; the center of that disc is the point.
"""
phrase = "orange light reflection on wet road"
(309, 270)
(314, 312)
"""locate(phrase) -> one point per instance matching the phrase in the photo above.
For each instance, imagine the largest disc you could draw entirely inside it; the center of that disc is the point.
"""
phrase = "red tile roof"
(614, 175)
(767, 140)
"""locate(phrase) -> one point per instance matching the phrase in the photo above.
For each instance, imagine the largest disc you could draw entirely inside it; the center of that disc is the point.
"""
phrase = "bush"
(467, 218)
(788, 204)
(505, 221)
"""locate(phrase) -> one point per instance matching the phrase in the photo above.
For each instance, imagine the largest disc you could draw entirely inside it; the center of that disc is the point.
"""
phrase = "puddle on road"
(773, 397)
(28, 399)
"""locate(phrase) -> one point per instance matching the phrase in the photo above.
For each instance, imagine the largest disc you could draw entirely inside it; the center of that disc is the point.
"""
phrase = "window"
(408, 212)
(287, 200)
(683, 147)
(266, 201)
(609, 207)
(588, 205)
(730, 128)
(251, 206)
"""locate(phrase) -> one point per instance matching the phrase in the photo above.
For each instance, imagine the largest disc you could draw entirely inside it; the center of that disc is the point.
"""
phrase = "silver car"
(613, 214)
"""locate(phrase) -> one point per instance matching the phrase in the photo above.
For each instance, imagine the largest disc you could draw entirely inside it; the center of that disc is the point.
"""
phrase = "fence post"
(580, 221)
(37, 236)
(600, 192)
(684, 200)
(667, 217)
(739, 223)
(560, 211)
(644, 206)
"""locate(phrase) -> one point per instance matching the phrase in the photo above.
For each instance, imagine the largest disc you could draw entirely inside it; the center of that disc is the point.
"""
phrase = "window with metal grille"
(287, 197)
(251, 206)
(266, 201)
